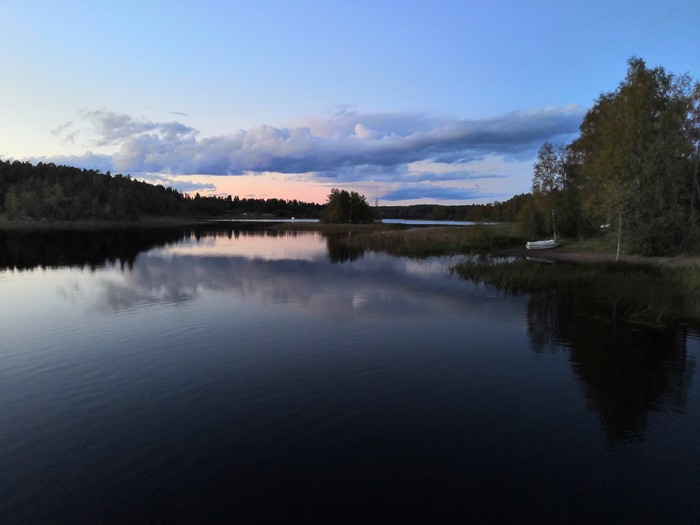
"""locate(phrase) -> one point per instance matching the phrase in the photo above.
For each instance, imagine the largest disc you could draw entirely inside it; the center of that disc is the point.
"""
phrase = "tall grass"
(324, 227)
(647, 294)
(426, 242)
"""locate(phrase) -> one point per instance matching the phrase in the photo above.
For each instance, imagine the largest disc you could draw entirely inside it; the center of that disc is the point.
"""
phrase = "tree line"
(350, 207)
(64, 193)
(506, 211)
(632, 169)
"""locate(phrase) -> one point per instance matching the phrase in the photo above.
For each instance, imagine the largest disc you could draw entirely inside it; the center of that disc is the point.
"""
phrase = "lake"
(405, 222)
(233, 375)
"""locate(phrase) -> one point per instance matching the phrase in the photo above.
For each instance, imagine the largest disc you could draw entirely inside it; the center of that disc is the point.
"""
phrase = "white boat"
(542, 245)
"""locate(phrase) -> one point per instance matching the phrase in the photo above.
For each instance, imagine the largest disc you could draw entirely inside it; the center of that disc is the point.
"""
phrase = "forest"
(64, 193)
(506, 211)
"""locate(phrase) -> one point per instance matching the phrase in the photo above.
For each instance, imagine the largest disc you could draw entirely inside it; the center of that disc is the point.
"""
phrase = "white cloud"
(112, 128)
(346, 146)
(364, 132)
(350, 140)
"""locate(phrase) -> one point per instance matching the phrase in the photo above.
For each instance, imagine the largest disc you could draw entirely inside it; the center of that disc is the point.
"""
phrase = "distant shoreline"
(558, 254)
(97, 225)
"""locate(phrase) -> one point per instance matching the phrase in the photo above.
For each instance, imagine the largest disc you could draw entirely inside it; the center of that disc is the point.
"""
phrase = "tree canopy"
(634, 163)
(343, 207)
(64, 193)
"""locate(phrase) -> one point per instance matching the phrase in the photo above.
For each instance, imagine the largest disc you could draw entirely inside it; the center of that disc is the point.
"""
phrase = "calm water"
(250, 377)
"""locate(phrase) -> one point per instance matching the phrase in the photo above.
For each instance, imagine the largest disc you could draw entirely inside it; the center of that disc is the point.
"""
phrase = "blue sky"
(405, 102)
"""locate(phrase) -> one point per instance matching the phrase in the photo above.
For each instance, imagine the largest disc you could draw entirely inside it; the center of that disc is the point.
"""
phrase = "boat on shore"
(542, 245)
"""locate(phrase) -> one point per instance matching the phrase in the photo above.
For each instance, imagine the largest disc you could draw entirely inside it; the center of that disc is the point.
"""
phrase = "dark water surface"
(257, 377)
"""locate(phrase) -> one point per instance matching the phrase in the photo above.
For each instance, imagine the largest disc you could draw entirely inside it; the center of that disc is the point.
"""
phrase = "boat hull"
(542, 245)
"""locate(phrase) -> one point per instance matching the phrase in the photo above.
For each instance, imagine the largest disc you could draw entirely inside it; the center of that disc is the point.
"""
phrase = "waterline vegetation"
(641, 293)
(430, 241)
(650, 291)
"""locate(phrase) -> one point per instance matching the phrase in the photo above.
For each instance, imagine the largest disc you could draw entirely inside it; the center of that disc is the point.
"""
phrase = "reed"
(323, 227)
(640, 293)
(427, 242)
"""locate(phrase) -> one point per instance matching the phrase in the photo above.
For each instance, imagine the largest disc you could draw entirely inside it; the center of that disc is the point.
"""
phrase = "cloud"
(373, 150)
(111, 128)
(189, 186)
(363, 172)
(186, 186)
(454, 176)
(60, 130)
(64, 133)
(87, 160)
(425, 192)
(343, 142)
(104, 163)
(345, 121)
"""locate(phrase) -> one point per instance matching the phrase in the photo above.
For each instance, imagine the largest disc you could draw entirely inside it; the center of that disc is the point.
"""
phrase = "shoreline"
(98, 225)
(561, 253)
(599, 257)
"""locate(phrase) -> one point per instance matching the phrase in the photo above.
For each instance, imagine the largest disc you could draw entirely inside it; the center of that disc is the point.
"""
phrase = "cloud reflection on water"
(375, 286)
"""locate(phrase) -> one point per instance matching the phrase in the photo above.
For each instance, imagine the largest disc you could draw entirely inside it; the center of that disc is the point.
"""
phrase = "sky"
(405, 102)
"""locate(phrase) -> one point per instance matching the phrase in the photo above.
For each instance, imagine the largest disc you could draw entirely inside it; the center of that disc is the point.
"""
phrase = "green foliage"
(548, 174)
(48, 191)
(547, 187)
(635, 162)
(345, 207)
(496, 211)
(63, 193)
(637, 152)
(645, 294)
(531, 222)
(556, 191)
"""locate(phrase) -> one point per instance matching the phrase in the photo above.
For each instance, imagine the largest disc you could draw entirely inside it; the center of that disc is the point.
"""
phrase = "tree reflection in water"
(626, 371)
(340, 252)
(25, 250)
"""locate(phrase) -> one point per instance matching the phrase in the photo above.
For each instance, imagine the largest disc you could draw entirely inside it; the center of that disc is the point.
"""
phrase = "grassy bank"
(650, 291)
(401, 240)
(337, 228)
(426, 242)
(640, 293)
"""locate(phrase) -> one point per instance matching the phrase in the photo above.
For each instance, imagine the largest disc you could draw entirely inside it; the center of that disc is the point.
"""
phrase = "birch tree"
(549, 182)
(637, 158)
